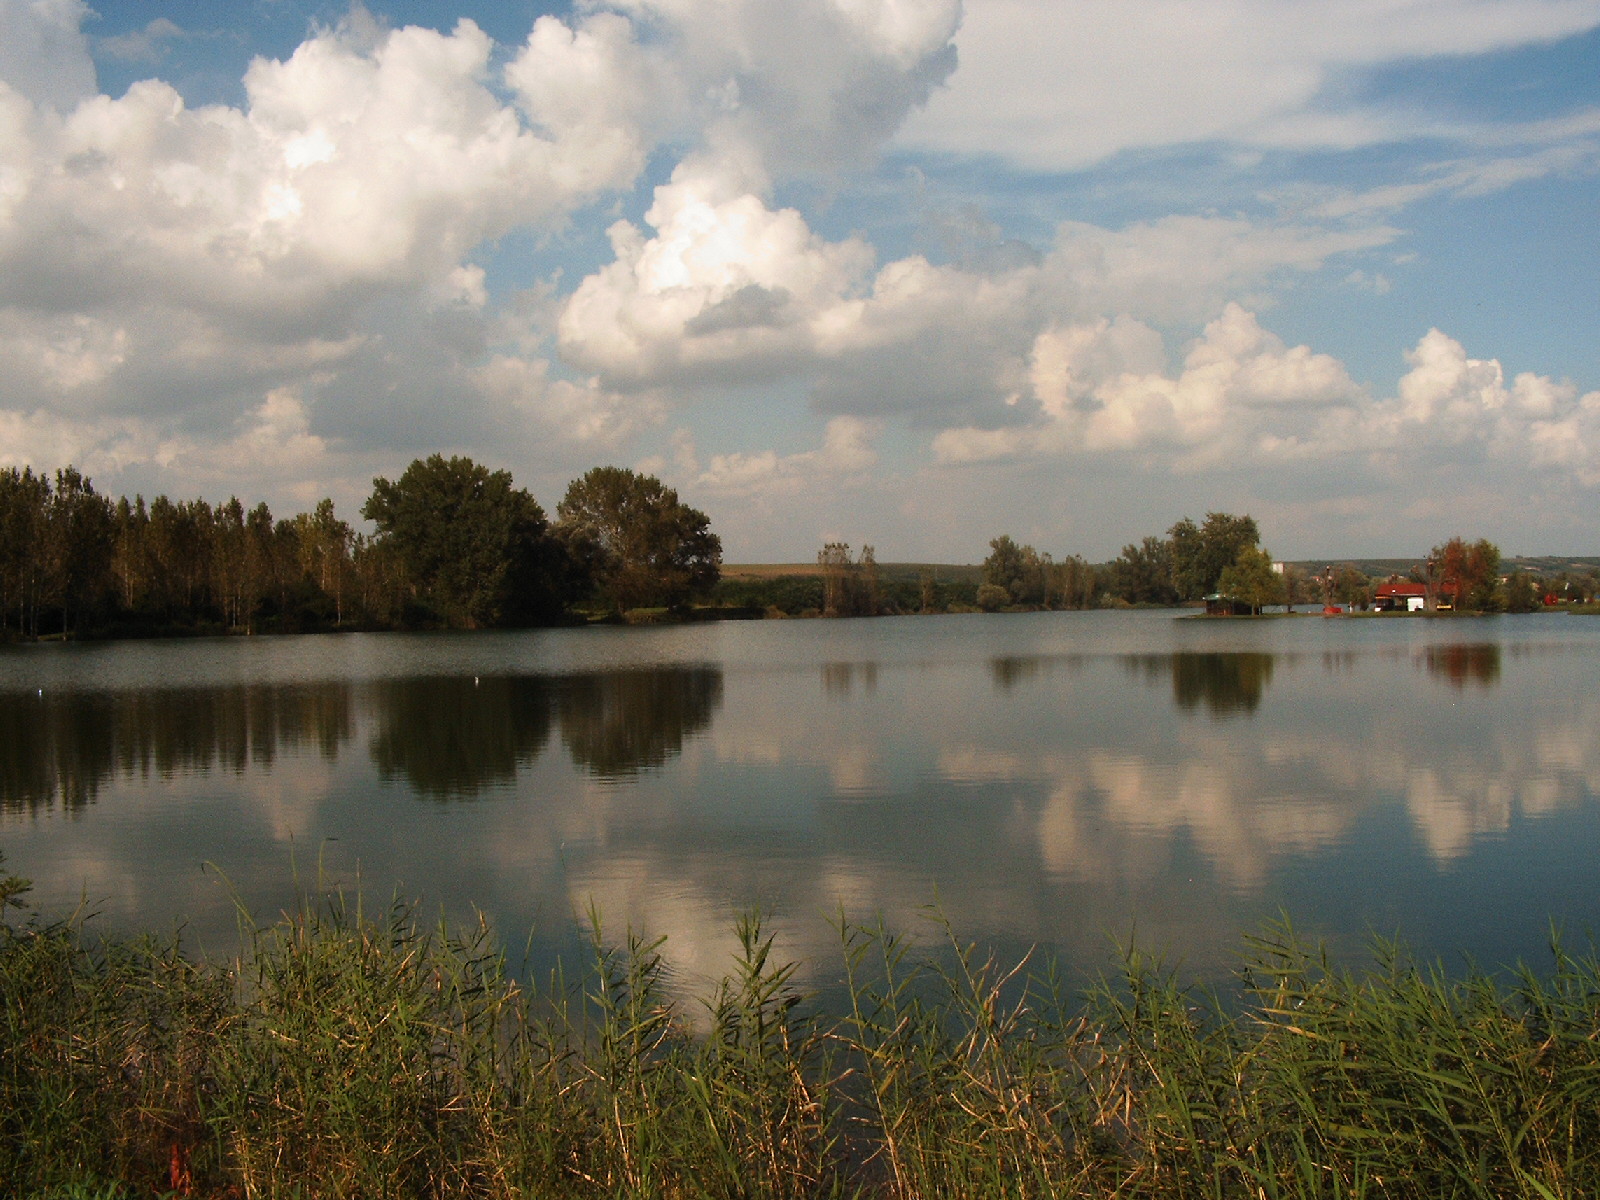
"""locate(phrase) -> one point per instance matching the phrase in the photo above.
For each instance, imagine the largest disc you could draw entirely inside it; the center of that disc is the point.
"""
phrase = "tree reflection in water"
(839, 678)
(453, 737)
(64, 747)
(456, 738)
(1010, 670)
(619, 723)
(1461, 664)
(446, 738)
(1221, 683)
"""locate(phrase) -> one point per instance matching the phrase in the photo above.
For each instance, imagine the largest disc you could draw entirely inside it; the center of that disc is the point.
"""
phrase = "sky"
(908, 273)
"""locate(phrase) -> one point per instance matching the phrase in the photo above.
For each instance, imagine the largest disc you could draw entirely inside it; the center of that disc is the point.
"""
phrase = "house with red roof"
(1407, 595)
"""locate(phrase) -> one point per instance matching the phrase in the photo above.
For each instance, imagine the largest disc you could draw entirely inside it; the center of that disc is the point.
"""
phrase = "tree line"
(1219, 557)
(455, 545)
(1222, 557)
(1187, 564)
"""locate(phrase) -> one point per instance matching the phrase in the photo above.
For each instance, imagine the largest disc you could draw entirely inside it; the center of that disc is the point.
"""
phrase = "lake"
(1064, 780)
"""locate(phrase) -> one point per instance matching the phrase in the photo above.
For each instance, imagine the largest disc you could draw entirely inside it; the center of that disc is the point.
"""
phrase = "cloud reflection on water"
(1038, 797)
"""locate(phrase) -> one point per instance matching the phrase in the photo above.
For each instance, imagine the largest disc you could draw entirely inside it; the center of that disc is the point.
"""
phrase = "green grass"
(349, 1053)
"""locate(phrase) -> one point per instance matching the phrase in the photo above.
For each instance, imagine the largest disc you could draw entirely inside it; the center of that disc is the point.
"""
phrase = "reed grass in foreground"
(350, 1054)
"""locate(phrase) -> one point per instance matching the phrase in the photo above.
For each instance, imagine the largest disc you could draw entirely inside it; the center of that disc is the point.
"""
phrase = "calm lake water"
(1060, 779)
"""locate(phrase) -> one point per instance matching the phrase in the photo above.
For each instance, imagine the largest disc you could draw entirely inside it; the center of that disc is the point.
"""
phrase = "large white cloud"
(1243, 401)
(811, 85)
(1103, 387)
(353, 166)
(724, 287)
(1059, 84)
(42, 55)
(166, 271)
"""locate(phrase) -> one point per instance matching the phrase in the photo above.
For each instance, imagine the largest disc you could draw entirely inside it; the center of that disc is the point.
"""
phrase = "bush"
(992, 597)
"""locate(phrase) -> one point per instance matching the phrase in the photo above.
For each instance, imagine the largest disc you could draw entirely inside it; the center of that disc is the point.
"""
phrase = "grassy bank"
(366, 1055)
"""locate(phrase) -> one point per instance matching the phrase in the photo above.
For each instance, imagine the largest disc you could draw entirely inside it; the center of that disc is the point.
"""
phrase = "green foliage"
(1351, 586)
(1004, 566)
(356, 1054)
(1201, 553)
(787, 594)
(12, 889)
(633, 537)
(457, 545)
(1521, 594)
(56, 545)
(1143, 573)
(992, 597)
(475, 549)
(1021, 577)
(1021, 571)
(1251, 580)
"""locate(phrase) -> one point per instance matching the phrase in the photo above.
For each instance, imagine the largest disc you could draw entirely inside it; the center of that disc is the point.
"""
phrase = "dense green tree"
(1184, 538)
(1074, 583)
(992, 597)
(230, 573)
(1201, 553)
(130, 560)
(80, 539)
(24, 510)
(636, 540)
(1021, 572)
(1251, 580)
(1297, 586)
(1522, 594)
(1143, 573)
(180, 541)
(382, 588)
(476, 550)
(1004, 564)
(1031, 586)
(325, 543)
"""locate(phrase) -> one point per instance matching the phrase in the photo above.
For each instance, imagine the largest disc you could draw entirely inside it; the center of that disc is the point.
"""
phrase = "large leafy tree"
(1200, 553)
(1021, 571)
(475, 550)
(1251, 579)
(1143, 575)
(639, 543)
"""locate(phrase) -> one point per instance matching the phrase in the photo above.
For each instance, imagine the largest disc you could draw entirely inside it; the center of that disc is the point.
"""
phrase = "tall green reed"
(348, 1052)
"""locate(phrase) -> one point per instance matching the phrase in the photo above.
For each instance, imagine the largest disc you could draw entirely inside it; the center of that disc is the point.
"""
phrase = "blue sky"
(906, 272)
